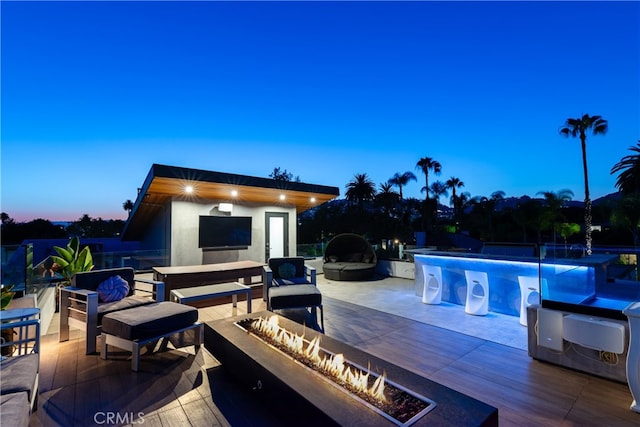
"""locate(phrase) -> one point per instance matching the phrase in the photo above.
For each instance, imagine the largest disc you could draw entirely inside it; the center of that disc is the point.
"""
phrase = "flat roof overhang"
(165, 183)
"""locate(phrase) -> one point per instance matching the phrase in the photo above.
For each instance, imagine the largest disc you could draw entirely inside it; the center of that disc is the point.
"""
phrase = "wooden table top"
(208, 268)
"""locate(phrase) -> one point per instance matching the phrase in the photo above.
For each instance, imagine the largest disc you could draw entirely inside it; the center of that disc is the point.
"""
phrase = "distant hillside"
(512, 202)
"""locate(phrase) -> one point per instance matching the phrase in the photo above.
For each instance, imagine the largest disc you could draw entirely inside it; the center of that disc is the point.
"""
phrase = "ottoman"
(136, 327)
(296, 296)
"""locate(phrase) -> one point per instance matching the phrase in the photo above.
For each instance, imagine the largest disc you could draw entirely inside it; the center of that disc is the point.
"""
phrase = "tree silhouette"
(387, 198)
(426, 164)
(566, 230)
(360, 189)
(6, 219)
(554, 202)
(282, 175)
(402, 180)
(438, 189)
(454, 183)
(485, 208)
(528, 215)
(626, 215)
(578, 128)
(128, 206)
(629, 167)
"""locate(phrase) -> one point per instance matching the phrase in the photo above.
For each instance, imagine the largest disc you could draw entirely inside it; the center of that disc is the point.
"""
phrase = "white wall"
(184, 220)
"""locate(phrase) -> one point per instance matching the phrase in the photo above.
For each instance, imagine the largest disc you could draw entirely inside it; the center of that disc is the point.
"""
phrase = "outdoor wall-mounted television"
(224, 232)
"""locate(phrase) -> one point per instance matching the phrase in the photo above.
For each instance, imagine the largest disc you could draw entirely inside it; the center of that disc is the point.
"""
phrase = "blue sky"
(94, 93)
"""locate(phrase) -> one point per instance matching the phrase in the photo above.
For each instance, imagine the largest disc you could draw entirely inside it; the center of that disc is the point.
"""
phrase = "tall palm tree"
(578, 128)
(360, 189)
(628, 181)
(401, 180)
(426, 164)
(454, 183)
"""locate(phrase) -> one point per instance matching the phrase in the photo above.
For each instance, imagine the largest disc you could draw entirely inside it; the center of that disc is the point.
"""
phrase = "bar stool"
(477, 293)
(529, 294)
(432, 291)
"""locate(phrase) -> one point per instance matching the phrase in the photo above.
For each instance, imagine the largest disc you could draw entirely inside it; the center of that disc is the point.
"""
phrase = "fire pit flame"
(396, 403)
(333, 365)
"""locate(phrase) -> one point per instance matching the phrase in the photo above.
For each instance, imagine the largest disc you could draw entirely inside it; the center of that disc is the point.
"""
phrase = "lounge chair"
(82, 308)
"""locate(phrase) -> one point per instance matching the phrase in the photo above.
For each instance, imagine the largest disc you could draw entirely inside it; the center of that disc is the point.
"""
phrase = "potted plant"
(7, 334)
(7, 296)
(71, 260)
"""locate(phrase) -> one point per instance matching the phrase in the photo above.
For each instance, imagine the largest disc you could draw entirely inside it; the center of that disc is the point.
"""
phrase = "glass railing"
(14, 266)
(311, 250)
(19, 271)
(621, 278)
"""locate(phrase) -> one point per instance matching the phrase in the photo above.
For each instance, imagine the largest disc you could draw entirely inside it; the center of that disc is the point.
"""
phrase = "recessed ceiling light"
(313, 200)
(188, 189)
(282, 197)
(234, 193)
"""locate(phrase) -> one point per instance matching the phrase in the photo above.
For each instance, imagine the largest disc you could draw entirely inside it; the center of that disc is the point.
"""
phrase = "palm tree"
(628, 181)
(438, 188)
(528, 215)
(627, 211)
(426, 164)
(579, 127)
(454, 183)
(360, 188)
(401, 180)
(128, 206)
(555, 201)
(553, 204)
(486, 209)
(386, 197)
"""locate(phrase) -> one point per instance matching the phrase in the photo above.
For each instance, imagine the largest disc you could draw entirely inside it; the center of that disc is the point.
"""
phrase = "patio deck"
(483, 357)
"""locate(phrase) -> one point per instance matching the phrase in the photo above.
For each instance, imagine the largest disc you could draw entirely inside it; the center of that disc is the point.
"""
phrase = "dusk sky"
(94, 93)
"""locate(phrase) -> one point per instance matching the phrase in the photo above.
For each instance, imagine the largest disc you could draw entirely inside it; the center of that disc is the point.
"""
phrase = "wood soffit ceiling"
(162, 190)
(166, 183)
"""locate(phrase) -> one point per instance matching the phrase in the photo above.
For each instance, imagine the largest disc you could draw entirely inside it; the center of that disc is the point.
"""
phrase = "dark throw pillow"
(113, 289)
(287, 270)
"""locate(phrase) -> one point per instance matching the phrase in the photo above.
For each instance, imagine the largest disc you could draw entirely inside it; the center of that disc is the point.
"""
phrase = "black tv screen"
(224, 231)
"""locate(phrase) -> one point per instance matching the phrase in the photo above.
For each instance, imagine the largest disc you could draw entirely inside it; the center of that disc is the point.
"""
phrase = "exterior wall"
(184, 223)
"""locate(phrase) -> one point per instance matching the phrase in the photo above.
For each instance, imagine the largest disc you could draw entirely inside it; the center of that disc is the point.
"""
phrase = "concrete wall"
(391, 268)
(184, 222)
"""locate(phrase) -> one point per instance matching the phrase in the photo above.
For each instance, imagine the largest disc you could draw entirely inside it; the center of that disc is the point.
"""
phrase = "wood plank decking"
(178, 388)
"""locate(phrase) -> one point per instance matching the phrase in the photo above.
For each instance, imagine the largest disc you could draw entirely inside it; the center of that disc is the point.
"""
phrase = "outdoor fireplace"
(288, 380)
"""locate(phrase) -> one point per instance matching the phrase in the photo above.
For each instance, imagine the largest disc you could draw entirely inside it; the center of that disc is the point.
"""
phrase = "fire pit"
(267, 366)
(390, 400)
